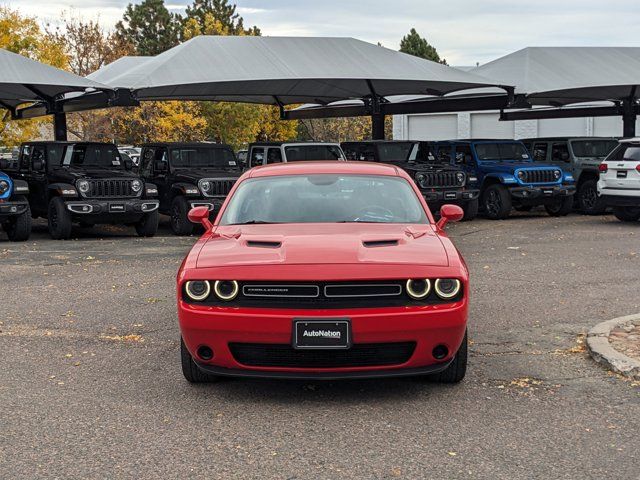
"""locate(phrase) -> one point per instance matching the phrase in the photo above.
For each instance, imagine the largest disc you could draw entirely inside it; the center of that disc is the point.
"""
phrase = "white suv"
(619, 183)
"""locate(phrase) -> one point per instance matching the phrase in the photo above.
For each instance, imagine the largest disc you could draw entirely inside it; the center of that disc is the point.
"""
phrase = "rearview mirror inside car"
(200, 215)
(449, 213)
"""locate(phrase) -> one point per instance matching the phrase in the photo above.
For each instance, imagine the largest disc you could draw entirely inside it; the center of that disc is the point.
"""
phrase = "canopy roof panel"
(567, 75)
(286, 70)
(25, 80)
(110, 74)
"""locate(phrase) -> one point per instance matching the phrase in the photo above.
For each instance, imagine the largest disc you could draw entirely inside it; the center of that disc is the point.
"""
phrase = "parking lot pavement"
(91, 385)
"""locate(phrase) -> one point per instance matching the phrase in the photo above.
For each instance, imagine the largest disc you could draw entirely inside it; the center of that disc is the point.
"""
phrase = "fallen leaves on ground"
(131, 338)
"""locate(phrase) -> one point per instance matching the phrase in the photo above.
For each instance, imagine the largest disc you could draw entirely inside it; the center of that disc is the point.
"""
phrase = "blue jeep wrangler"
(15, 215)
(508, 177)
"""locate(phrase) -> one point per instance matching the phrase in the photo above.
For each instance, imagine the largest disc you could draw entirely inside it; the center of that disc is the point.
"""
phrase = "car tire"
(588, 201)
(627, 214)
(148, 224)
(18, 227)
(496, 202)
(59, 219)
(457, 369)
(561, 208)
(190, 370)
(470, 209)
(180, 223)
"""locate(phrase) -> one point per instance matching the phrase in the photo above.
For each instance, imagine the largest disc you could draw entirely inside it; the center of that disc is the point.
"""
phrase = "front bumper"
(93, 207)
(10, 208)
(450, 195)
(426, 326)
(540, 194)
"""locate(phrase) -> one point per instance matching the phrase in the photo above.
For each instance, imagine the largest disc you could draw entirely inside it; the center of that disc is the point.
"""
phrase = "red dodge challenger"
(324, 270)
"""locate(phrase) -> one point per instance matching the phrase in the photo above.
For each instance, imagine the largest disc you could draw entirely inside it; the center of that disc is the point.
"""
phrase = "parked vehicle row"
(89, 183)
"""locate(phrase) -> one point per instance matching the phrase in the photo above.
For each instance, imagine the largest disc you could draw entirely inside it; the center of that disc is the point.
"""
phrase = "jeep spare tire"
(59, 219)
(180, 223)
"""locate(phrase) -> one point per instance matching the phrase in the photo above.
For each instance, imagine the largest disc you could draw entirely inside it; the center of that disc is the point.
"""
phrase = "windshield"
(313, 152)
(202, 157)
(593, 148)
(328, 198)
(92, 155)
(395, 152)
(512, 151)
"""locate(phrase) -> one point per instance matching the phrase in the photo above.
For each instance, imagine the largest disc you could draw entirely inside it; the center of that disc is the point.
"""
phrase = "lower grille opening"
(359, 355)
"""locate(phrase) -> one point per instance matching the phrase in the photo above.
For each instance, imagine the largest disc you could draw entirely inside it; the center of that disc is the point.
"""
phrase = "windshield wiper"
(254, 222)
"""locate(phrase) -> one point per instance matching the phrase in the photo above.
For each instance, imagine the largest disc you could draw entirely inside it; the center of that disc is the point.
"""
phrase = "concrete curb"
(601, 351)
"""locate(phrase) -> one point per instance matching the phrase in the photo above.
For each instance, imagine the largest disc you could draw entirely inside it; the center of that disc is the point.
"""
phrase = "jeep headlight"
(460, 177)
(83, 186)
(197, 290)
(522, 175)
(205, 186)
(136, 186)
(421, 180)
(557, 174)
(4, 187)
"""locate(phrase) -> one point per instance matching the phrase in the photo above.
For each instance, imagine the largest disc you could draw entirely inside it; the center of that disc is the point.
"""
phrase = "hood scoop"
(263, 244)
(392, 242)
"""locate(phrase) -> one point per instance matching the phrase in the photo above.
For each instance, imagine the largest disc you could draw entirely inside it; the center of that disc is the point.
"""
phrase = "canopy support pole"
(629, 115)
(377, 126)
(60, 127)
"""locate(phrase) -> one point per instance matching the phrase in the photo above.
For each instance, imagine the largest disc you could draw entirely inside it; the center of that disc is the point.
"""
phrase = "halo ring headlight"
(418, 288)
(447, 290)
(198, 290)
(4, 187)
(83, 186)
(136, 185)
(226, 289)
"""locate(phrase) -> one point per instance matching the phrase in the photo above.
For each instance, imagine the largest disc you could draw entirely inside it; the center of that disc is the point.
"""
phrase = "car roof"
(56, 142)
(185, 144)
(382, 141)
(560, 139)
(292, 143)
(326, 167)
(472, 140)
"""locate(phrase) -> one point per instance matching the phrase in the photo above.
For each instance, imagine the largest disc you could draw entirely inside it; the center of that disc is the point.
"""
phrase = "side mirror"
(449, 213)
(128, 164)
(200, 215)
(159, 166)
(4, 163)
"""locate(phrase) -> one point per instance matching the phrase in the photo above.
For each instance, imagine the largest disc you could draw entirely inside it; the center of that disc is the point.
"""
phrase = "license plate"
(548, 192)
(622, 174)
(116, 207)
(450, 195)
(321, 334)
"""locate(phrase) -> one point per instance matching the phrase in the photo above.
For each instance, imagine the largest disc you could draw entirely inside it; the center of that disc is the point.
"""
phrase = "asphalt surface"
(91, 386)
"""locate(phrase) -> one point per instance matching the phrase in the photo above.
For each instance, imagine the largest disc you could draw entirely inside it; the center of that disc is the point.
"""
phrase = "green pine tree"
(150, 27)
(414, 44)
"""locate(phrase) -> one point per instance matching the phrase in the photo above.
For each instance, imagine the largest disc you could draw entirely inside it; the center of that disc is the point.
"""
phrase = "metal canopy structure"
(273, 70)
(23, 80)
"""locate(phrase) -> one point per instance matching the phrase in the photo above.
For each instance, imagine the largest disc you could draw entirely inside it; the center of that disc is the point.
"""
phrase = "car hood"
(348, 243)
(509, 167)
(193, 175)
(94, 173)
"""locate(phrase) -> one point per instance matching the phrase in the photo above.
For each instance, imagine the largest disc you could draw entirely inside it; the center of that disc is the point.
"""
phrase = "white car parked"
(619, 183)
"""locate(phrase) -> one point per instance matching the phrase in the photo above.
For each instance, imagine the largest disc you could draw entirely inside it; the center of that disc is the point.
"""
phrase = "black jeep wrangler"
(439, 180)
(86, 183)
(189, 175)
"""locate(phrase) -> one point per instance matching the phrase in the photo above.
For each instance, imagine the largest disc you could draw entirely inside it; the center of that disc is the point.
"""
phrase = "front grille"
(110, 189)
(220, 187)
(442, 179)
(359, 355)
(539, 176)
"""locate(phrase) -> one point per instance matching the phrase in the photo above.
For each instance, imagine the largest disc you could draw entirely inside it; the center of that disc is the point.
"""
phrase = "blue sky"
(463, 31)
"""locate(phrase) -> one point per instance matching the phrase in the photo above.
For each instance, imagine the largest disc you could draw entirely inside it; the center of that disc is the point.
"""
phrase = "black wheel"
(470, 210)
(496, 202)
(457, 369)
(627, 214)
(180, 224)
(18, 227)
(190, 370)
(561, 208)
(148, 224)
(59, 220)
(588, 201)
(523, 208)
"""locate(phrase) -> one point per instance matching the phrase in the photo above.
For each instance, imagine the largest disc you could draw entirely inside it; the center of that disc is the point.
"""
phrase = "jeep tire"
(148, 224)
(180, 223)
(588, 201)
(457, 369)
(627, 214)
(18, 227)
(496, 202)
(190, 370)
(470, 209)
(59, 219)
(561, 207)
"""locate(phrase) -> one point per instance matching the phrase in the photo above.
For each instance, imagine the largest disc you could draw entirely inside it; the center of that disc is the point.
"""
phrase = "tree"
(414, 44)
(150, 27)
(23, 35)
(209, 12)
(340, 129)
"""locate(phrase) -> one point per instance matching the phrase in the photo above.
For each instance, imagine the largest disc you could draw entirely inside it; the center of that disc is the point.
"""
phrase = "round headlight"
(522, 175)
(447, 288)
(83, 186)
(418, 288)
(205, 186)
(136, 186)
(198, 289)
(460, 177)
(557, 174)
(4, 186)
(422, 180)
(226, 289)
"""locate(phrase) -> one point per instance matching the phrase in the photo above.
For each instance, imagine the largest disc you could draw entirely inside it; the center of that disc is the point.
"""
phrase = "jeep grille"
(220, 187)
(442, 179)
(110, 189)
(539, 176)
